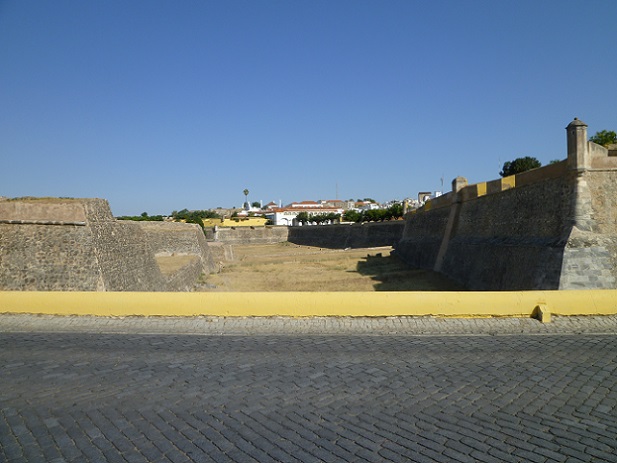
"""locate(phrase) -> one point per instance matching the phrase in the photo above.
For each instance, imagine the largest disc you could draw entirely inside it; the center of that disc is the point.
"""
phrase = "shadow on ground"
(392, 274)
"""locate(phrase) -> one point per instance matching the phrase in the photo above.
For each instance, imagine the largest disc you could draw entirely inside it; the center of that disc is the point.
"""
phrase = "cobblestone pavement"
(171, 390)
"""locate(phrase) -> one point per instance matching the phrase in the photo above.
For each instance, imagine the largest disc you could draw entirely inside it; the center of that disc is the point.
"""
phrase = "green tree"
(142, 218)
(604, 138)
(519, 165)
(303, 217)
(326, 217)
(246, 197)
(374, 215)
(395, 211)
(192, 216)
(352, 216)
(255, 204)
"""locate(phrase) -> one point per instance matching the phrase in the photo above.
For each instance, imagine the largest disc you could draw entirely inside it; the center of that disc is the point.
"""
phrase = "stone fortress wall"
(342, 236)
(248, 235)
(550, 228)
(357, 235)
(55, 244)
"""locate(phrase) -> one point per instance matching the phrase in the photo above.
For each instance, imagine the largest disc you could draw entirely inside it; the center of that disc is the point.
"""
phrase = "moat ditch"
(291, 267)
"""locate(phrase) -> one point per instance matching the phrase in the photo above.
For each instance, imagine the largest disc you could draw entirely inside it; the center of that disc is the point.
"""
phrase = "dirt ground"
(290, 267)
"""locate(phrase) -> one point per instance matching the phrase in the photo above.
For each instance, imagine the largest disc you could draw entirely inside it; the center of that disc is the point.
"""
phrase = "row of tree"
(143, 217)
(194, 216)
(305, 217)
(373, 215)
(393, 212)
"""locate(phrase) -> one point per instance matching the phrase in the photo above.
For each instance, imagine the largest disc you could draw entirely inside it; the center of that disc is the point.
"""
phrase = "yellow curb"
(312, 304)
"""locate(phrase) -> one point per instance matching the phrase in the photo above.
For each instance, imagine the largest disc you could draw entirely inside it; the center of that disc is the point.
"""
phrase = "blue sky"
(164, 105)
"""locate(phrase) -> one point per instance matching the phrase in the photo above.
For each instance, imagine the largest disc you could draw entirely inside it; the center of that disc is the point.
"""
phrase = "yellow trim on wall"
(508, 182)
(481, 189)
(310, 304)
(236, 222)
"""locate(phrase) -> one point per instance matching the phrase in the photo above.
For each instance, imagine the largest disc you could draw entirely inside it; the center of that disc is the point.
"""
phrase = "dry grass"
(290, 267)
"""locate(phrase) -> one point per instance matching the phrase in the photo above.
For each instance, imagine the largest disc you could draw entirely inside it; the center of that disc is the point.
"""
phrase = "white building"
(288, 215)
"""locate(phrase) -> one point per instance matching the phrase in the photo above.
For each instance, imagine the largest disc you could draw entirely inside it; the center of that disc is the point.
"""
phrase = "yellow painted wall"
(508, 182)
(240, 222)
(307, 304)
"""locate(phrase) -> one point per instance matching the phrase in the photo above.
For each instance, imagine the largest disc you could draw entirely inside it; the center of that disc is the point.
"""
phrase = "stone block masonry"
(361, 235)
(357, 235)
(550, 228)
(55, 244)
(179, 239)
(250, 235)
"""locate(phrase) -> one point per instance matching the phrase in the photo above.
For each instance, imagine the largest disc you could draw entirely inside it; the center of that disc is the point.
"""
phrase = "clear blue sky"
(164, 105)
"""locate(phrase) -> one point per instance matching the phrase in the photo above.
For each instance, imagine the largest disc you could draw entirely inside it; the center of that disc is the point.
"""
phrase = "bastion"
(61, 244)
(554, 227)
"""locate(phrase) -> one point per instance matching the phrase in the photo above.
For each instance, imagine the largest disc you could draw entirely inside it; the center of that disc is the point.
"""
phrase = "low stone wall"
(250, 235)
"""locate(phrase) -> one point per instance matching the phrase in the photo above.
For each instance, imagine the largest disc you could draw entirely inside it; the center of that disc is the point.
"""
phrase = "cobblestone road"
(111, 397)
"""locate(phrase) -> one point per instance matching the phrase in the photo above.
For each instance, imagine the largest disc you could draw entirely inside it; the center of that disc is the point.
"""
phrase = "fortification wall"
(518, 235)
(77, 245)
(511, 239)
(590, 255)
(175, 238)
(357, 235)
(124, 257)
(364, 235)
(422, 236)
(48, 258)
(550, 228)
(186, 277)
(251, 235)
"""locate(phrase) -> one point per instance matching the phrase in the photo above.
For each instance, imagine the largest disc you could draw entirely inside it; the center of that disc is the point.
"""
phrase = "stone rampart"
(175, 238)
(250, 235)
(551, 228)
(342, 236)
(48, 257)
(59, 244)
(357, 235)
